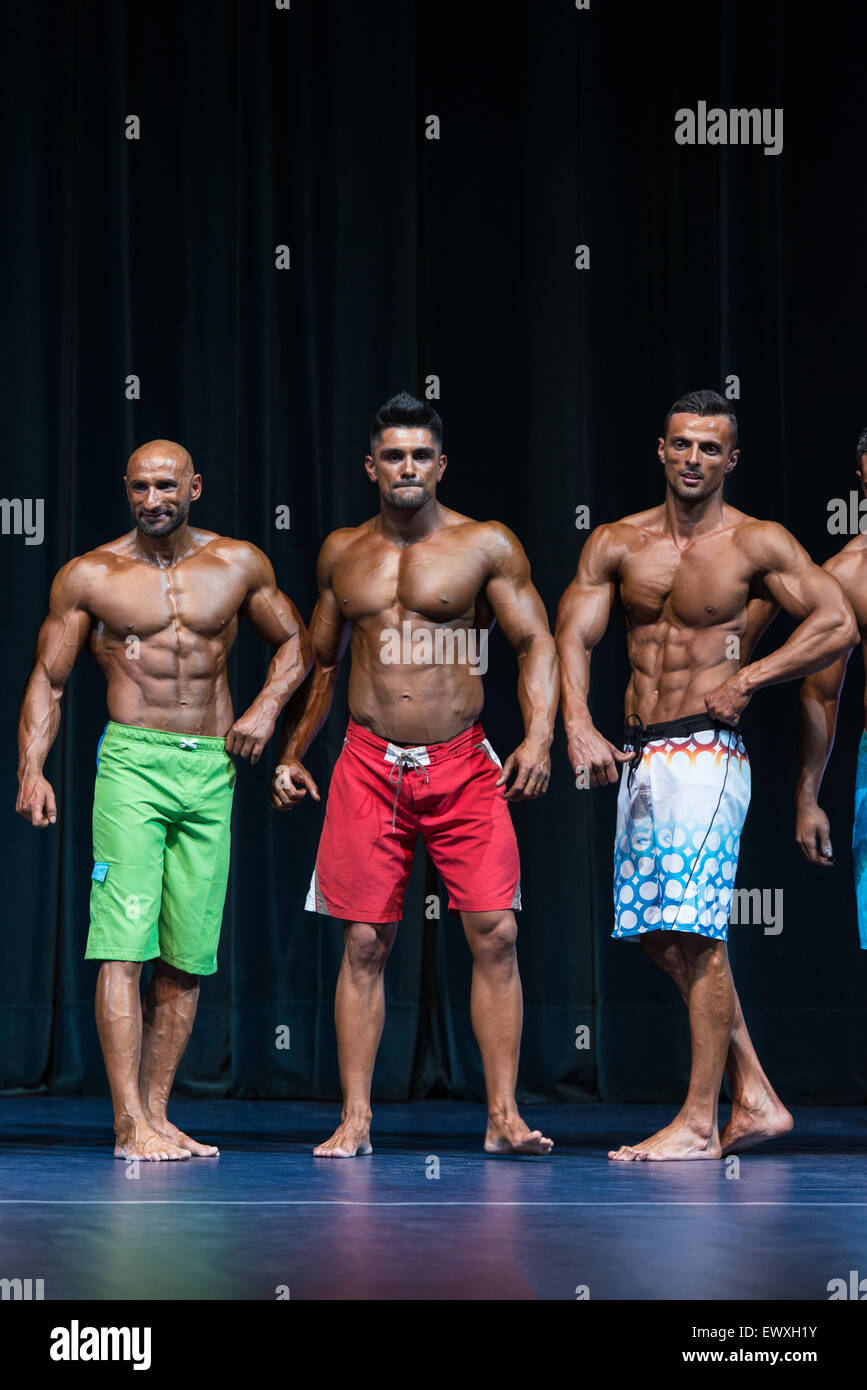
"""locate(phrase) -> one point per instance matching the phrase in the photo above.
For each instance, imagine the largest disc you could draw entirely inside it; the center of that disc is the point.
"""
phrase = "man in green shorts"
(159, 610)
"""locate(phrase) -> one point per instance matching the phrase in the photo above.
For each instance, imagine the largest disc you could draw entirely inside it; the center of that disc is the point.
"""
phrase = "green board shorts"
(161, 834)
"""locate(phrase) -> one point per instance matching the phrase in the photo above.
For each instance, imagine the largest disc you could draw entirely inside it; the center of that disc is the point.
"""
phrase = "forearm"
(287, 670)
(575, 690)
(817, 642)
(538, 687)
(38, 723)
(306, 712)
(817, 721)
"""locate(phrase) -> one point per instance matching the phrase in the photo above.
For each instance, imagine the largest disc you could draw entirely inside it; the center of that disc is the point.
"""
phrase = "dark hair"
(702, 403)
(403, 410)
(862, 445)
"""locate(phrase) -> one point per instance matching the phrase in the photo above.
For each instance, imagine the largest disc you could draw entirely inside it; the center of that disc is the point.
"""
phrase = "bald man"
(158, 610)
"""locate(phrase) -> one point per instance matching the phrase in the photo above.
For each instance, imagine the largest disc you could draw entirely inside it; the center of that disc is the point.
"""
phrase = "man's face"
(697, 453)
(160, 488)
(407, 466)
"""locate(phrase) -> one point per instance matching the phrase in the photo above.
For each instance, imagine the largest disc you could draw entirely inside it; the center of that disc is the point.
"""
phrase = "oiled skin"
(440, 581)
(418, 562)
(183, 622)
(159, 610)
(820, 701)
(437, 570)
(695, 602)
(698, 581)
(681, 609)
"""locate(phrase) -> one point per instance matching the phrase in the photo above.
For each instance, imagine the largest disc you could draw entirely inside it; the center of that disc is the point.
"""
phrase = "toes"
(625, 1154)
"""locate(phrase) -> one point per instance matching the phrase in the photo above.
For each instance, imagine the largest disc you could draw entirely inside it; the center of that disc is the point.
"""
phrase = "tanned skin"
(420, 561)
(179, 593)
(688, 575)
(820, 701)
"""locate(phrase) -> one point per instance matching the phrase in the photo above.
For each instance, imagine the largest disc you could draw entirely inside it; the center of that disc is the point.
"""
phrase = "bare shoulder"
(609, 544)
(338, 543)
(499, 544)
(767, 544)
(77, 581)
(617, 538)
(650, 519)
(849, 567)
(243, 557)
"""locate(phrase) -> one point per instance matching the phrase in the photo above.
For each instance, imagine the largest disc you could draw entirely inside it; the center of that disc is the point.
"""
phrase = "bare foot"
(351, 1139)
(145, 1143)
(750, 1125)
(164, 1126)
(678, 1140)
(511, 1135)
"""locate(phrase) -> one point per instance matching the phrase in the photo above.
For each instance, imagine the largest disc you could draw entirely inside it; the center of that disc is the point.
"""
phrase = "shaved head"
(162, 451)
(161, 484)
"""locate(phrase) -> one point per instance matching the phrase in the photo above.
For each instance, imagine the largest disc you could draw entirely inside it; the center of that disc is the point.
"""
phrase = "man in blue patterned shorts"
(820, 701)
(698, 581)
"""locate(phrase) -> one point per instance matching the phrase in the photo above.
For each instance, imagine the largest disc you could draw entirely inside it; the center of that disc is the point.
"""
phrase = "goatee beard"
(155, 528)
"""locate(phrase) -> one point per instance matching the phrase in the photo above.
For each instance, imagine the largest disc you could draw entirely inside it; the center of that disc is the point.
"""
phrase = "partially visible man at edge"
(697, 581)
(820, 700)
(415, 759)
(159, 610)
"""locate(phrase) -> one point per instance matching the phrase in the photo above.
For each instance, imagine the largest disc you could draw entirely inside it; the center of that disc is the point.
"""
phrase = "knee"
(125, 970)
(492, 940)
(653, 945)
(365, 949)
(181, 979)
(706, 959)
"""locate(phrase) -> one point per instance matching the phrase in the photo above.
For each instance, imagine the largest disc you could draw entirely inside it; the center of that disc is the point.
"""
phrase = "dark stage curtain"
(412, 257)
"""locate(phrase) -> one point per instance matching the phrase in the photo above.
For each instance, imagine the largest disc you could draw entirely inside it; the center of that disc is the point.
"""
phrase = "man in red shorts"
(417, 588)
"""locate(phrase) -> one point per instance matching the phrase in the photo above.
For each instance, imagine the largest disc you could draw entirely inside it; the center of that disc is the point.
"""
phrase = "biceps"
(329, 631)
(805, 593)
(273, 615)
(518, 609)
(60, 640)
(583, 614)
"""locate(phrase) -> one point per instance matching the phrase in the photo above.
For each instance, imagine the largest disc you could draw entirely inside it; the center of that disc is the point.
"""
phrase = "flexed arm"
(309, 707)
(60, 640)
(582, 618)
(276, 619)
(827, 629)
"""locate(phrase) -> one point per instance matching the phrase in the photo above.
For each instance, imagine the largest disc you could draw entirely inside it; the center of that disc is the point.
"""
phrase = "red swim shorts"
(383, 795)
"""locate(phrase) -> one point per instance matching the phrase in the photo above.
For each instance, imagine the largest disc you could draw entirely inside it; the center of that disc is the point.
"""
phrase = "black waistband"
(635, 732)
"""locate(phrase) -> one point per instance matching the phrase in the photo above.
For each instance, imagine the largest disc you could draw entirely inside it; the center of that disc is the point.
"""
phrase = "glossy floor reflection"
(267, 1216)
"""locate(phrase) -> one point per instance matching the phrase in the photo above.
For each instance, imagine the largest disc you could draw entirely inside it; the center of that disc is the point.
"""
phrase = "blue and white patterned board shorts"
(680, 813)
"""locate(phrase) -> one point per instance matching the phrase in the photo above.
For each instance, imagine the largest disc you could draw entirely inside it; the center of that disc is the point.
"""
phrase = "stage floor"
(267, 1220)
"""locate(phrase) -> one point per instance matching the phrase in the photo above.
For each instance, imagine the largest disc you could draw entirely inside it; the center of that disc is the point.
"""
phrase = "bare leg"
(710, 996)
(757, 1111)
(359, 1015)
(169, 1012)
(119, 1024)
(496, 1008)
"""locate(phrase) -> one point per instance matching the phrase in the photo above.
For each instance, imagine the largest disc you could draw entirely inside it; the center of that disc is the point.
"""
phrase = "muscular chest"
(426, 579)
(699, 586)
(200, 596)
